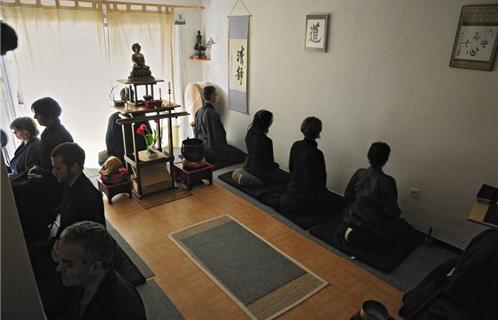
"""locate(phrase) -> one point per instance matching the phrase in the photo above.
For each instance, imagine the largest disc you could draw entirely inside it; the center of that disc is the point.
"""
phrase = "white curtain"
(153, 32)
(61, 54)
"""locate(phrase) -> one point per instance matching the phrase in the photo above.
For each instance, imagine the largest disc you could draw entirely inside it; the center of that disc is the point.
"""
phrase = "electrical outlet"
(414, 192)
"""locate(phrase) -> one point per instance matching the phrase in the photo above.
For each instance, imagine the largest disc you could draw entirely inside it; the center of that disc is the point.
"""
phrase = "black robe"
(307, 169)
(260, 162)
(115, 299)
(25, 157)
(51, 137)
(373, 208)
(307, 193)
(114, 137)
(374, 184)
(80, 202)
(210, 130)
(37, 198)
(474, 280)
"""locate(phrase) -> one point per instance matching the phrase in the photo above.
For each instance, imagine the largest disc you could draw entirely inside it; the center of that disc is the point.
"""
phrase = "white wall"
(385, 77)
(20, 298)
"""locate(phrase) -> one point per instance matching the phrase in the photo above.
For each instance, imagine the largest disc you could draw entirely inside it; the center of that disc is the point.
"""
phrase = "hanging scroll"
(238, 40)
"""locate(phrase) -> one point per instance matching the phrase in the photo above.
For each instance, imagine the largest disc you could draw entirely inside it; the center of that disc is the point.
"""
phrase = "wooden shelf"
(135, 110)
(140, 82)
(151, 169)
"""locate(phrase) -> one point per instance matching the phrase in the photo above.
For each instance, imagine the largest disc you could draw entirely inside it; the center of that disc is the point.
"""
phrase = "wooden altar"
(153, 168)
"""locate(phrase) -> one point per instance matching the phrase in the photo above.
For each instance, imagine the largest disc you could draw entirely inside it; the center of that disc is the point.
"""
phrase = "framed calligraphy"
(315, 37)
(476, 39)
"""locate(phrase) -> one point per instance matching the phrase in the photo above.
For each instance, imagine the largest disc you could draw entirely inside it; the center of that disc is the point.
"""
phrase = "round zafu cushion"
(246, 179)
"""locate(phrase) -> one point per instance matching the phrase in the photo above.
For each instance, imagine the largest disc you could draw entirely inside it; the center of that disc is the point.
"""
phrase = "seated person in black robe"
(307, 192)
(98, 292)
(37, 192)
(26, 155)
(81, 201)
(210, 130)
(372, 216)
(259, 161)
(472, 279)
(114, 137)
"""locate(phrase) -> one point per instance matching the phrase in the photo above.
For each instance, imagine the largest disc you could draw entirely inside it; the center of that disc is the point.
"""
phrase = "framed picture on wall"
(316, 33)
(476, 39)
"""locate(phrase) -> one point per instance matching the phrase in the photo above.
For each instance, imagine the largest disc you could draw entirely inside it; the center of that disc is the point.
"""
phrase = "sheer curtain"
(153, 31)
(61, 54)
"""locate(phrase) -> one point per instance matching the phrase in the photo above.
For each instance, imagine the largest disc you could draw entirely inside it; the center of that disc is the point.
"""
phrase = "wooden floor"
(197, 297)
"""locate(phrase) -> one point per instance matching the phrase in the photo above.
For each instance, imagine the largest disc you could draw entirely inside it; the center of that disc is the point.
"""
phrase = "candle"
(160, 95)
(169, 86)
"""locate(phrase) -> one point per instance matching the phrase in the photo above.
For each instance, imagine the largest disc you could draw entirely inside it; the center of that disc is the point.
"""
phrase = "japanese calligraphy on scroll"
(238, 39)
(476, 39)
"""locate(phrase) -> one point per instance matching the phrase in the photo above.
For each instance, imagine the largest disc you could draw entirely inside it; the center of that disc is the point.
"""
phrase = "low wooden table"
(111, 190)
(478, 213)
(189, 177)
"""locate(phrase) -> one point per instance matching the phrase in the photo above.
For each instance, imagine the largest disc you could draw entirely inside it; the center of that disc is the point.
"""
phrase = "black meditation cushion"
(382, 258)
(310, 217)
(268, 194)
(232, 156)
(126, 268)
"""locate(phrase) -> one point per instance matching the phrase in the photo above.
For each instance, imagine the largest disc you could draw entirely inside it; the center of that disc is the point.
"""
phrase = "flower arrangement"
(149, 137)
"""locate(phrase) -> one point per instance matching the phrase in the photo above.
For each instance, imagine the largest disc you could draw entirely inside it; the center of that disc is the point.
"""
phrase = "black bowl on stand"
(193, 149)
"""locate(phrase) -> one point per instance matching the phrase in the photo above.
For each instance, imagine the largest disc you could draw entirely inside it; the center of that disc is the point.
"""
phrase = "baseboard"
(447, 246)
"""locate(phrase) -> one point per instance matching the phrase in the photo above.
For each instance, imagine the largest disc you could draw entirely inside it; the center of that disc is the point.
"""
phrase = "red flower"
(140, 131)
(143, 127)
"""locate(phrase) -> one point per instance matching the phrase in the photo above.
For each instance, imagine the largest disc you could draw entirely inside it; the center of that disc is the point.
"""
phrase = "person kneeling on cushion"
(259, 161)
(307, 192)
(210, 130)
(372, 217)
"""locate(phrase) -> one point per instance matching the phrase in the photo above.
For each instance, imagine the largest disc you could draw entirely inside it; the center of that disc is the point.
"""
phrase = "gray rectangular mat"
(157, 304)
(259, 278)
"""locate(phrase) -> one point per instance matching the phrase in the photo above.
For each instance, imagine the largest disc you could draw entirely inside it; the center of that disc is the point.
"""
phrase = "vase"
(151, 153)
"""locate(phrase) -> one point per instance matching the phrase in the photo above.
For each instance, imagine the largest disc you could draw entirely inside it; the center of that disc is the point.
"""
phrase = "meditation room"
(249, 159)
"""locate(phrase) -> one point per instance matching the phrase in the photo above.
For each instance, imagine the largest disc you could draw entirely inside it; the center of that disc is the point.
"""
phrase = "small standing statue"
(140, 71)
(199, 47)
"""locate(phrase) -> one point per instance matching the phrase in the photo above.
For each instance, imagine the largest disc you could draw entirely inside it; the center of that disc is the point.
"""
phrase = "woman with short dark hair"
(307, 191)
(26, 155)
(37, 193)
(47, 112)
(260, 161)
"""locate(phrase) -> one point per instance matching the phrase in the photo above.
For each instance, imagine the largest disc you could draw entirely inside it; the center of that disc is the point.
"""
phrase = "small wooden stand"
(193, 176)
(113, 189)
(132, 115)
